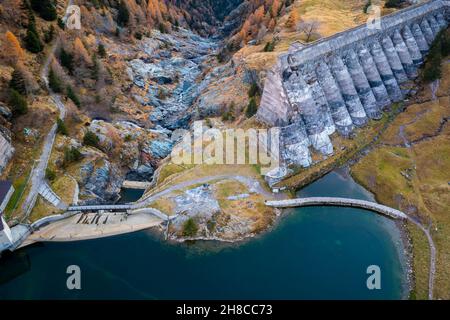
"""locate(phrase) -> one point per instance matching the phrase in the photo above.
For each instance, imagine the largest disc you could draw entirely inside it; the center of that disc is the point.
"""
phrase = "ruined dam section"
(339, 83)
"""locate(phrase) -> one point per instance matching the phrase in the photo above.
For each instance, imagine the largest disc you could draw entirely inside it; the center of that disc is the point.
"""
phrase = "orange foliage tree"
(13, 51)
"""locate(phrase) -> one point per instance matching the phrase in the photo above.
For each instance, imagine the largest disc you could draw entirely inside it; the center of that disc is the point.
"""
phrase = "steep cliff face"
(338, 83)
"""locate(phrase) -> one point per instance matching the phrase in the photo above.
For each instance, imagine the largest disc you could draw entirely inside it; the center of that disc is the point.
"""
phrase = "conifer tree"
(123, 15)
(54, 82)
(18, 103)
(251, 108)
(32, 41)
(45, 8)
(17, 82)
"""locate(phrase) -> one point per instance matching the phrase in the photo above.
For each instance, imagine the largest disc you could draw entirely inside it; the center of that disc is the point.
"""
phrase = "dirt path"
(432, 272)
(252, 184)
(38, 172)
(408, 144)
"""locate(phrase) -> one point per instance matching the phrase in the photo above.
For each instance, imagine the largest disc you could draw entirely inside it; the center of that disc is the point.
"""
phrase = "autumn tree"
(292, 21)
(272, 24)
(276, 7)
(261, 34)
(13, 50)
(81, 54)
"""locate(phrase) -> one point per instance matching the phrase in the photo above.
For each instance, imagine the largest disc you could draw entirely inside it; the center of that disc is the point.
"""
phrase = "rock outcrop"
(339, 83)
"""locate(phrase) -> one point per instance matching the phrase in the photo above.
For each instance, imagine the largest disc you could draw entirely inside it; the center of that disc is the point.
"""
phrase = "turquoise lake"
(311, 253)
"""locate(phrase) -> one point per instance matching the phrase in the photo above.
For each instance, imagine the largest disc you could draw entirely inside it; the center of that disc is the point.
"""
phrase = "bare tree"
(309, 28)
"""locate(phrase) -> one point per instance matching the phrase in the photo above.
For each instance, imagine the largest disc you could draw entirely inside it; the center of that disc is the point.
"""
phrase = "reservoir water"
(312, 253)
(128, 195)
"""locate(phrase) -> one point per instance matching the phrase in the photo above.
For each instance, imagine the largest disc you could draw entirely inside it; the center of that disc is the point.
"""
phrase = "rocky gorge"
(171, 76)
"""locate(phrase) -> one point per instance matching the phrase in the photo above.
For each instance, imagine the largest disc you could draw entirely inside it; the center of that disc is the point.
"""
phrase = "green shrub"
(50, 174)
(45, 8)
(61, 23)
(91, 139)
(66, 59)
(393, 3)
(49, 34)
(162, 28)
(32, 42)
(61, 127)
(18, 103)
(252, 108)
(366, 6)
(54, 82)
(124, 15)
(101, 50)
(73, 96)
(190, 228)
(253, 90)
(445, 45)
(71, 155)
(270, 46)
(229, 114)
(432, 69)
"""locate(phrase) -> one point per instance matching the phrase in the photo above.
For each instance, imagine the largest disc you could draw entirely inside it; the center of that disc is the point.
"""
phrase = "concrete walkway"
(341, 202)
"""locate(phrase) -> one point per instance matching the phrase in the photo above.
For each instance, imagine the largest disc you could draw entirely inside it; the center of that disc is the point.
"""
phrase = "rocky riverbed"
(171, 70)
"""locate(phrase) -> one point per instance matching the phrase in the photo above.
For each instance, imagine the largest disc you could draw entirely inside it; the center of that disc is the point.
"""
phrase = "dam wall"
(338, 83)
(6, 150)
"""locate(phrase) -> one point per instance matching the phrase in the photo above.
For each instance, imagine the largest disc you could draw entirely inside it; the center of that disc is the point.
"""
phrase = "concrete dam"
(338, 83)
